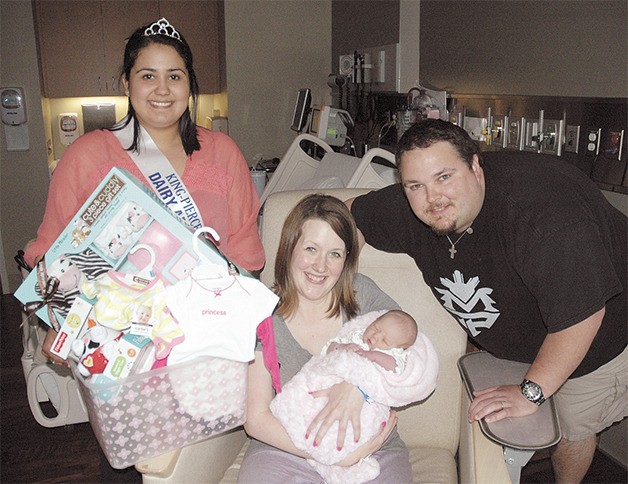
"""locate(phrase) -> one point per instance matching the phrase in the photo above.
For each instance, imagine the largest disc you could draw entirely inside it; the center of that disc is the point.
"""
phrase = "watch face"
(532, 392)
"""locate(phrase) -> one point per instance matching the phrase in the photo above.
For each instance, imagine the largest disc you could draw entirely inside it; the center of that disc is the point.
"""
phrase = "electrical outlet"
(572, 138)
(593, 141)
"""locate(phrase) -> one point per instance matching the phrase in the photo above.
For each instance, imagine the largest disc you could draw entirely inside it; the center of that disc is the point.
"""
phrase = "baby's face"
(385, 333)
(144, 314)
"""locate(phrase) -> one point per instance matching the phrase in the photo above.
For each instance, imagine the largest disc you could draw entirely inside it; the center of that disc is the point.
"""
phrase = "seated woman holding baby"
(320, 290)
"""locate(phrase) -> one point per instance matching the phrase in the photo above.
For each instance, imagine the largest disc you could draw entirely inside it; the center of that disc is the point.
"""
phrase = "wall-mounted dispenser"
(68, 128)
(13, 108)
(13, 114)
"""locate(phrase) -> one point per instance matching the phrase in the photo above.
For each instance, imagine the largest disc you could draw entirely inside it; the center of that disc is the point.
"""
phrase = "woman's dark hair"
(425, 133)
(187, 127)
(333, 211)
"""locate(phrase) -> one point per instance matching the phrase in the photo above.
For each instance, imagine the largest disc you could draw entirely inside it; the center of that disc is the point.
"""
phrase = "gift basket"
(151, 413)
(157, 323)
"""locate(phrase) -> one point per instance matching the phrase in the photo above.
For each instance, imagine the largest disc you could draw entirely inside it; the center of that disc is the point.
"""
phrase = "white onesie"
(218, 315)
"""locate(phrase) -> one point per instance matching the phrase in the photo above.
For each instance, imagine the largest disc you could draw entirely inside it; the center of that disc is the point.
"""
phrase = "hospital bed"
(302, 167)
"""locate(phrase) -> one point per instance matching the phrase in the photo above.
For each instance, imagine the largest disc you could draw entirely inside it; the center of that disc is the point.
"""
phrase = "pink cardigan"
(217, 177)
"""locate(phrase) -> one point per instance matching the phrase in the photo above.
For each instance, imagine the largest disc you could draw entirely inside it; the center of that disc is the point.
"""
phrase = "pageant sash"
(161, 175)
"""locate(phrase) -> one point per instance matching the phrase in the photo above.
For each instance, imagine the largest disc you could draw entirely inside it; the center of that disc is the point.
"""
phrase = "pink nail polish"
(307, 436)
(383, 424)
(339, 448)
(315, 444)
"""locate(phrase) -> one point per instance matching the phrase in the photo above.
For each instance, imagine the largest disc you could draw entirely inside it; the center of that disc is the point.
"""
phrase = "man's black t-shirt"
(547, 251)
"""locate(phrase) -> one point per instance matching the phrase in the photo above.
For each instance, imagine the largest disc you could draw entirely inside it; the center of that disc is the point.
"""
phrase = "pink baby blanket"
(295, 408)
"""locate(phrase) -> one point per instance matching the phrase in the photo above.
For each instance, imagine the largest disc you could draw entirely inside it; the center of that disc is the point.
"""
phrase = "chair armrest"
(205, 461)
(160, 466)
(479, 459)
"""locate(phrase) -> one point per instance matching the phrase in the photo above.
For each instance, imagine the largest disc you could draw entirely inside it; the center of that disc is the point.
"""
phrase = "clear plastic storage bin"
(151, 413)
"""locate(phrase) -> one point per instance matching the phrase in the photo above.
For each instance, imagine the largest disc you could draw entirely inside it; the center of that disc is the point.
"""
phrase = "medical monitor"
(315, 122)
(330, 124)
(301, 109)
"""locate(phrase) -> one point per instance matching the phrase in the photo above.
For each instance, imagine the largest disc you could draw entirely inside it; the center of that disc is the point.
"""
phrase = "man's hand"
(497, 403)
(344, 405)
(559, 355)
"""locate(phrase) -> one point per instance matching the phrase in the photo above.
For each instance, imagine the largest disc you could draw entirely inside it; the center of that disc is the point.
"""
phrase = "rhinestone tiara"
(162, 27)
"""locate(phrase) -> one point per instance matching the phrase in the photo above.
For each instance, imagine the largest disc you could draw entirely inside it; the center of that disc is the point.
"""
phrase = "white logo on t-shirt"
(461, 298)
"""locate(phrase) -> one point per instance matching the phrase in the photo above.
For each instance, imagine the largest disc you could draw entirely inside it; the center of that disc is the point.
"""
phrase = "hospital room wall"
(23, 174)
(547, 48)
(527, 47)
(273, 49)
(362, 24)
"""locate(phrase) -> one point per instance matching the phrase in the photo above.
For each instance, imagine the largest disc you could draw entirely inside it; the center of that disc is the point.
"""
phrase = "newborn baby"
(392, 364)
(384, 341)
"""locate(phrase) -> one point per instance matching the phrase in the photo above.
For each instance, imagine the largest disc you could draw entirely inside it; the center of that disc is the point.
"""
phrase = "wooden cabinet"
(202, 24)
(81, 42)
(119, 20)
(70, 47)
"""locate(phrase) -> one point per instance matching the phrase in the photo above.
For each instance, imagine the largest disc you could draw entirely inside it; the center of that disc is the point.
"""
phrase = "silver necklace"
(452, 249)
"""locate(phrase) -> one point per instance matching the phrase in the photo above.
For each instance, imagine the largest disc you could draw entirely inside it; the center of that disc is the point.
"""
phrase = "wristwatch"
(532, 391)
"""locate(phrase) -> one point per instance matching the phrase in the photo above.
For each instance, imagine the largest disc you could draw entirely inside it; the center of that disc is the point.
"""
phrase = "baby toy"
(67, 272)
(69, 276)
(94, 350)
(137, 218)
(71, 270)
